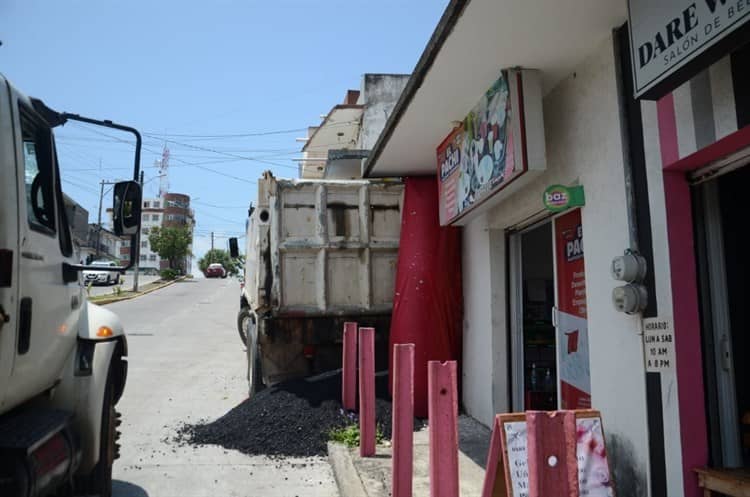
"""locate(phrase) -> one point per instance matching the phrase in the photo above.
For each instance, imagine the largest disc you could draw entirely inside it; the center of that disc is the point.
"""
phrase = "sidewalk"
(371, 476)
(127, 294)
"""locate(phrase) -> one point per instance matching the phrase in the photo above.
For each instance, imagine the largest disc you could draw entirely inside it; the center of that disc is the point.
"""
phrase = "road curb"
(346, 475)
(129, 297)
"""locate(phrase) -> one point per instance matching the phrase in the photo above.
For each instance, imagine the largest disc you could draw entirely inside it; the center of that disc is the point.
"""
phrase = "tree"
(233, 267)
(171, 243)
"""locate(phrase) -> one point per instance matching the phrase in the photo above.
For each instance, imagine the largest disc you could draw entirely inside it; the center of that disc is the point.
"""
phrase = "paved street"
(186, 364)
(127, 284)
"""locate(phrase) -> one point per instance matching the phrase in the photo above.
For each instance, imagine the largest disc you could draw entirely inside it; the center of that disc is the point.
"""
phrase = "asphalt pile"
(289, 419)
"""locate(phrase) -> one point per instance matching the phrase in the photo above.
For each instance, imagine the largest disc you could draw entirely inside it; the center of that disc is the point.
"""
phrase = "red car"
(215, 270)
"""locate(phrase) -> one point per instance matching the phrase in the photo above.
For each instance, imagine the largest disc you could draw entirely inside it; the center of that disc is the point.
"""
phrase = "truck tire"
(244, 318)
(254, 371)
(99, 481)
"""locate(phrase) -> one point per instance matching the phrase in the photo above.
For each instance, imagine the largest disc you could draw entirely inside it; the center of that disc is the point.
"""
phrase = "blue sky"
(205, 70)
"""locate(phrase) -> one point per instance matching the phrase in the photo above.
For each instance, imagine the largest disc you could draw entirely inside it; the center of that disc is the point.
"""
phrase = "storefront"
(697, 147)
(657, 162)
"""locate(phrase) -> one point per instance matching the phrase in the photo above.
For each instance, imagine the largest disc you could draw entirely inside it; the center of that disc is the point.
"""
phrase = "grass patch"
(119, 293)
(349, 435)
(108, 296)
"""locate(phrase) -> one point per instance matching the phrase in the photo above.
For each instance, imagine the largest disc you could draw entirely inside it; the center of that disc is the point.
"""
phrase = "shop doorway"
(722, 216)
(533, 343)
(549, 334)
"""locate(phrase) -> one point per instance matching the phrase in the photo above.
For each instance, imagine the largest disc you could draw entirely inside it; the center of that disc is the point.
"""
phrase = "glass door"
(549, 330)
(533, 333)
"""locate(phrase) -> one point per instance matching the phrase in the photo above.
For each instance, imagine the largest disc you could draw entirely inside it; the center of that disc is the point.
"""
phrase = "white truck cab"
(62, 360)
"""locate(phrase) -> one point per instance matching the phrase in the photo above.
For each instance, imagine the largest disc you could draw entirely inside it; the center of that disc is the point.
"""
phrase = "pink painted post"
(551, 450)
(403, 419)
(443, 416)
(349, 368)
(366, 392)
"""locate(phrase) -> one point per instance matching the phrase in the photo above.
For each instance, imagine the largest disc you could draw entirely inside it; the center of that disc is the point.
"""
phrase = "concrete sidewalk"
(371, 476)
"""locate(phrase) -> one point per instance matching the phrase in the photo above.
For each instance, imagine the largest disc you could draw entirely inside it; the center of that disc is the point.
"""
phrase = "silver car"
(102, 277)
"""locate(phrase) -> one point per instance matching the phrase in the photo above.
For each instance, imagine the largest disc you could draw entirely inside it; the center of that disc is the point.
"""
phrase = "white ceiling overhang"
(474, 40)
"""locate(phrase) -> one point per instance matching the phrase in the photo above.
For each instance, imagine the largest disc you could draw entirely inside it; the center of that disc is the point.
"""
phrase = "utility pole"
(99, 222)
(211, 254)
(136, 251)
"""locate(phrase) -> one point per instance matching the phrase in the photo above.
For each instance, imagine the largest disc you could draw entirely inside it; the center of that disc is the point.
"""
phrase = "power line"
(228, 154)
(180, 160)
(244, 135)
(222, 206)
(233, 221)
(189, 163)
(230, 135)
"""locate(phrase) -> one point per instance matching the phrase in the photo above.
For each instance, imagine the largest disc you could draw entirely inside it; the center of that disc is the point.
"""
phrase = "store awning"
(474, 40)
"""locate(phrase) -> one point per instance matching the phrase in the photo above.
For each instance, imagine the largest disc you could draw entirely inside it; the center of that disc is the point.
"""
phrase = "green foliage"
(171, 243)
(168, 274)
(349, 435)
(233, 267)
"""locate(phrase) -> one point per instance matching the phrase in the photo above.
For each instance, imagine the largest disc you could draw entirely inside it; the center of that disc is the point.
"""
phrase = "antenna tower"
(163, 172)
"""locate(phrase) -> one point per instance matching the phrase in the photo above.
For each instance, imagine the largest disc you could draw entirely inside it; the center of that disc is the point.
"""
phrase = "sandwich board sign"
(510, 468)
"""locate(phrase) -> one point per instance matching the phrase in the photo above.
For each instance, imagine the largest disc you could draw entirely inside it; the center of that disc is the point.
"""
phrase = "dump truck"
(63, 360)
(318, 253)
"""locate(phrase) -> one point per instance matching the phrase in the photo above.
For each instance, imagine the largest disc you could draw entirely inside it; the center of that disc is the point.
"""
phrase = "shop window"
(152, 257)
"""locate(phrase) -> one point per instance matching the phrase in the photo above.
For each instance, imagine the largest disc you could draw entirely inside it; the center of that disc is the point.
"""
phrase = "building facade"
(169, 210)
(152, 215)
(336, 148)
(555, 163)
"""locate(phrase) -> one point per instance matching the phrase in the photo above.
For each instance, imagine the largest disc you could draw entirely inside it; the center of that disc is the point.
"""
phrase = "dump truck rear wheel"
(244, 319)
(254, 371)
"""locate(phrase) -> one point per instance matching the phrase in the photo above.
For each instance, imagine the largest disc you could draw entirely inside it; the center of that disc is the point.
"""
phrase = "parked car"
(215, 270)
(102, 277)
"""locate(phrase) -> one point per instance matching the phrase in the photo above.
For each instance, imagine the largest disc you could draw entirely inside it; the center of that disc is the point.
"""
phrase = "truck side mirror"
(234, 250)
(127, 208)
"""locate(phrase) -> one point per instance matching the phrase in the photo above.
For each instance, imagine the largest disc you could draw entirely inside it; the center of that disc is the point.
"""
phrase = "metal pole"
(135, 251)
(211, 254)
(99, 222)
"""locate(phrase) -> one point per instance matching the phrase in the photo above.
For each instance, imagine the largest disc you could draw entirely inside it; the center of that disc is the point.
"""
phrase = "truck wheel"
(254, 371)
(99, 481)
(244, 319)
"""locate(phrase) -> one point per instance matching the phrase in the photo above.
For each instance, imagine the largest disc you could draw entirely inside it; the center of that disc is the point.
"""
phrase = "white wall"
(584, 146)
(379, 94)
(485, 366)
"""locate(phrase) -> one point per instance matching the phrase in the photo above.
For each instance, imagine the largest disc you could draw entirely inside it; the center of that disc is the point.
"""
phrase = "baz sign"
(666, 35)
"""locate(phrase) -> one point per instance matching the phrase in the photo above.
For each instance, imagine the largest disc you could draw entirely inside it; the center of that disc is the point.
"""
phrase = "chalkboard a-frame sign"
(508, 461)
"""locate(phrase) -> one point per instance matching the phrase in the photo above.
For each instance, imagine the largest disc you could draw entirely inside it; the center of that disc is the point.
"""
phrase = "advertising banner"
(572, 323)
(479, 157)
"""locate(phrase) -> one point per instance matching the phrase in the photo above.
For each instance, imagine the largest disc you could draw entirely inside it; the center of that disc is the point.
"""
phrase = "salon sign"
(666, 35)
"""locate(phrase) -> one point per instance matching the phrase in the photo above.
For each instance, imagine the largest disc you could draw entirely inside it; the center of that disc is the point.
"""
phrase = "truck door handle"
(4, 318)
(24, 326)
(726, 354)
